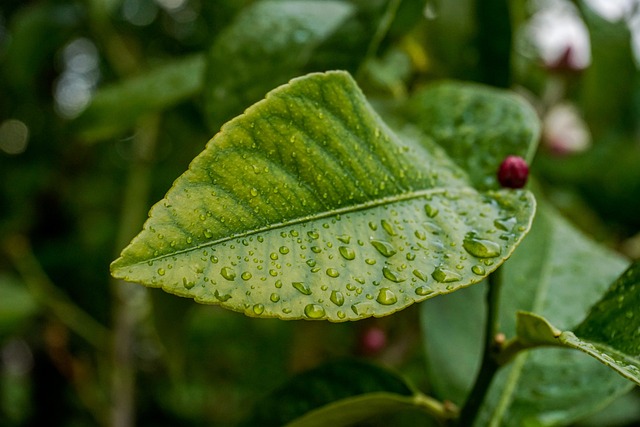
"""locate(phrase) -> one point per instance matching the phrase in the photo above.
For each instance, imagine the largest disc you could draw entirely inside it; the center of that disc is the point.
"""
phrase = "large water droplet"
(423, 291)
(337, 298)
(314, 311)
(332, 272)
(274, 297)
(478, 269)
(481, 248)
(258, 309)
(283, 250)
(505, 224)
(302, 288)
(420, 275)
(386, 297)
(220, 297)
(385, 248)
(394, 277)
(430, 211)
(444, 275)
(246, 275)
(347, 253)
(228, 273)
(161, 271)
(386, 225)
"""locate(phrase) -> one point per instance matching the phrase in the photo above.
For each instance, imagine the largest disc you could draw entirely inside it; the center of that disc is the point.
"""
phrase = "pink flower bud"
(513, 172)
(372, 341)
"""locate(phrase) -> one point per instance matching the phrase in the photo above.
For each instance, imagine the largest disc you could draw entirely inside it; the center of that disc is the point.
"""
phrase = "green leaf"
(337, 394)
(610, 333)
(477, 125)
(269, 43)
(117, 107)
(308, 206)
(556, 271)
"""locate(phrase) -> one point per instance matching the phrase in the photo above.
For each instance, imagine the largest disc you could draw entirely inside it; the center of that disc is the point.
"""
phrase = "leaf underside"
(610, 333)
(308, 206)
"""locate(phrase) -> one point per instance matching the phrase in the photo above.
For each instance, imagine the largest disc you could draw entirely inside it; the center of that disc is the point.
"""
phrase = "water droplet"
(386, 297)
(386, 272)
(420, 275)
(315, 249)
(258, 309)
(347, 253)
(420, 235)
(214, 259)
(228, 273)
(208, 233)
(337, 298)
(370, 261)
(246, 275)
(344, 239)
(187, 284)
(430, 211)
(332, 272)
(505, 224)
(423, 291)
(411, 256)
(220, 297)
(481, 248)
(189, 240)
(311, 262)
(302, 288)
(478, 269)
(283, 250)
(161, 271)
(341, 315)
(314, 311)
(444, 275)
(278, 284)
(385, 248)
(273, 256)
(274, 297)
(254, 192)
(386, 225)
(373, 226)
(313, 234)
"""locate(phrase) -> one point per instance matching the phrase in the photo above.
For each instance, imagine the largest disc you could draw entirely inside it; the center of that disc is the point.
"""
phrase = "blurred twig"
(47, 294)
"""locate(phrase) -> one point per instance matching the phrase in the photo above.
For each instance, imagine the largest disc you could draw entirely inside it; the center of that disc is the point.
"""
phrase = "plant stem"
(50, 296)
(489, 365)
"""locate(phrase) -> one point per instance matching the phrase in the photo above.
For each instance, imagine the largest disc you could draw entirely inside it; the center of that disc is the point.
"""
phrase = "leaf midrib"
(339, 211)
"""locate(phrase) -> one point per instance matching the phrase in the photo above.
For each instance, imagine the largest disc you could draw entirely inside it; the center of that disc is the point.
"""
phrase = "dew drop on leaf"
(478, 269)
(283, 250)
(161, 271)
(337, 298)
(444, 275)
(347, 253)
(423, 290)
(258, 309)
(386, 225)
(274, 297)
(332, 272)
(314, 311)
(385, 248)
(246, 275)
(302, 288)
(386, 272)
(430, 211)
(481, 248)
(228, 273)
(386, 297)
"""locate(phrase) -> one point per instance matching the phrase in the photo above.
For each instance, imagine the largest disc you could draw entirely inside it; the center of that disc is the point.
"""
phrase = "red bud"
(513, 172)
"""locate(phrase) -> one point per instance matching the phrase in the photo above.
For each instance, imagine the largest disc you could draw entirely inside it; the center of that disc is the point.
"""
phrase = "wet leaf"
(610, 333)
(308, 206)
(116, 108)
(478, 126)
(269, 43)
(556, 271)
(336, 394)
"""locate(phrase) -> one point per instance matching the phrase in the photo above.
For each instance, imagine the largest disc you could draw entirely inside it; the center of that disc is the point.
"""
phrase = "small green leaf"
(610, 333)
(478, 126)
(269, 43)
(337, 394)
(308, 206)
(115, 108)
